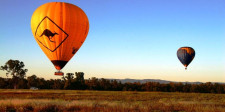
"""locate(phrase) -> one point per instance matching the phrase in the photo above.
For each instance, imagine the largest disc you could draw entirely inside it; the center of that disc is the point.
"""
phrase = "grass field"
(72, 100)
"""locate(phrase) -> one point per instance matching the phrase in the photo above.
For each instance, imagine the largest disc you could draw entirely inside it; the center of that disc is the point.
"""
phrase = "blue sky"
(127, 39)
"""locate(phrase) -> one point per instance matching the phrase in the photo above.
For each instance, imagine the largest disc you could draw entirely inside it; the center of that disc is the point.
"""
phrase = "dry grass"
(69, 100)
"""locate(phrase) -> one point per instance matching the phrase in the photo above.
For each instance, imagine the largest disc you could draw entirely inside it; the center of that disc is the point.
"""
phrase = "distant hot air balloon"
(185, 55)
(59, 29)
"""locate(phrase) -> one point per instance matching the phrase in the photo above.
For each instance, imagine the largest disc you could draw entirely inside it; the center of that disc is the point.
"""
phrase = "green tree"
(79, 82)
(80, 77)
(58, 84)
(3, 83)
(68, 80)
(41, 83)
(32, 81)
(16, 69)
(22, 84)
(93, 83)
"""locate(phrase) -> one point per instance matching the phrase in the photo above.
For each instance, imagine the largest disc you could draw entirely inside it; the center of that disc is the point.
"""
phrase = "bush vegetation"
(69, 82)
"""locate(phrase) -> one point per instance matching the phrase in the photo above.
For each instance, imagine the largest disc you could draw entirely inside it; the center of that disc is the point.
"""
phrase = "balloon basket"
(59, 73)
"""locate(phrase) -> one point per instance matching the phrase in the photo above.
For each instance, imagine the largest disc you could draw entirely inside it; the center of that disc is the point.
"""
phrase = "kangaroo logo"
(42, 32)
(48, 34)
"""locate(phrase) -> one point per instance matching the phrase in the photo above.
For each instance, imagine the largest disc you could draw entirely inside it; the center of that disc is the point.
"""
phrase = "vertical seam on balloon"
(65, 48)
(62, 21)
(75, 31)
(45, 41)
(55, 15)
(66, 23)
(48, 13)
(75, 40)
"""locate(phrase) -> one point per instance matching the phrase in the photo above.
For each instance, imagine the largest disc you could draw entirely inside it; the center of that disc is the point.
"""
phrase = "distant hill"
(142, 80)
(155, 80)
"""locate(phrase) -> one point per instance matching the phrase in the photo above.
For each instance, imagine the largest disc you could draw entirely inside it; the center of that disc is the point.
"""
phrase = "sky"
(136, 39)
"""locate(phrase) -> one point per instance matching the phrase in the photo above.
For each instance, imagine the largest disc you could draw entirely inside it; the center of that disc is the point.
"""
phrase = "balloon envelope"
(59, 29)
(185, 55)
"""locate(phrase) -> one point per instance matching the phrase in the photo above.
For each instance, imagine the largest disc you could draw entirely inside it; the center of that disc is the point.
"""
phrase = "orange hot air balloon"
(59, 29)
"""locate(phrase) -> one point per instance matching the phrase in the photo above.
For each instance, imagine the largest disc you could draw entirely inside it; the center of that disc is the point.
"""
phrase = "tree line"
(76, 81)
(69, 82)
